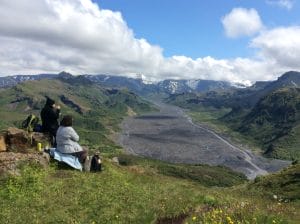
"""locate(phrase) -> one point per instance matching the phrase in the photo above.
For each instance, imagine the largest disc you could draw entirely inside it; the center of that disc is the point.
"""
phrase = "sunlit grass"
(131, 195)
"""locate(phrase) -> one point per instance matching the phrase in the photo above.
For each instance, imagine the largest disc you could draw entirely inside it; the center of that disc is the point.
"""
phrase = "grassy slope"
(274, 122)
(131, 194)
(204, 174)
(100, 111)
(284, 184)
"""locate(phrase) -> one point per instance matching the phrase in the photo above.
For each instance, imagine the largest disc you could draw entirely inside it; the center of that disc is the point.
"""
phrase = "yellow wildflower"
(194, 218)
(229, 220)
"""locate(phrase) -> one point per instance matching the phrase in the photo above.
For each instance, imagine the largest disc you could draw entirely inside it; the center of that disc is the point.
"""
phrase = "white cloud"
(62, 30)
(79, 37)
(242, 22)
(281, 45)
(287, 4)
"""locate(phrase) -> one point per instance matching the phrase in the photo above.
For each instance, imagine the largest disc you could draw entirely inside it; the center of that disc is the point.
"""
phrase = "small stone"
(115, 160)
(2, 143)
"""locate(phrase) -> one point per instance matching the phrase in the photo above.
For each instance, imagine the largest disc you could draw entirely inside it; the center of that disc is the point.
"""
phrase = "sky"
(232, 40)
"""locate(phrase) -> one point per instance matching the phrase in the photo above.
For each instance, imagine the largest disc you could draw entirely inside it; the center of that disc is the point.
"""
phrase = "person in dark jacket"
(49, 115)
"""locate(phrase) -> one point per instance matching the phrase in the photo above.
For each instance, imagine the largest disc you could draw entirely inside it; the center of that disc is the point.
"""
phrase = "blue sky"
(193, 27)
(233, 40)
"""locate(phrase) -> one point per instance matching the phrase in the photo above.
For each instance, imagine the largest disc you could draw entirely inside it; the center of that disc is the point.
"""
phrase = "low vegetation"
(204, 174)
(135, 194)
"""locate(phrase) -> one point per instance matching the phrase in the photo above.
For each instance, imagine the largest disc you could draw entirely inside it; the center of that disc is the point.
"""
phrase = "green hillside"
(285, 184)
(271, 124)
(139, 194)
(274, 122)
(97, 111)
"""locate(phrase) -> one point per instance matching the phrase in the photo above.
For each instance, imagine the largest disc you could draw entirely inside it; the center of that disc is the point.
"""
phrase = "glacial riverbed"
(170, 135)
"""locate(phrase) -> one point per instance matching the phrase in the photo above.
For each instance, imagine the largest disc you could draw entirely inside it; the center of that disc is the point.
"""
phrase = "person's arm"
(73, 135)
(53, 113)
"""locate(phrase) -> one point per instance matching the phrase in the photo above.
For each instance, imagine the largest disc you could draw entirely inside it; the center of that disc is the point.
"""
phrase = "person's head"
(67, 121)
(50, 102)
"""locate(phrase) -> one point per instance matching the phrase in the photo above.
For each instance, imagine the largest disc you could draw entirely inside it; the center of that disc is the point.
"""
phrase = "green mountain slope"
(274, 122)
(97, 110)
(285, 184)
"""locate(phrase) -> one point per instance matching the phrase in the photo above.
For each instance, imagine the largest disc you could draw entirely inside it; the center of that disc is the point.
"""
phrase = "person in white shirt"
(67, 139)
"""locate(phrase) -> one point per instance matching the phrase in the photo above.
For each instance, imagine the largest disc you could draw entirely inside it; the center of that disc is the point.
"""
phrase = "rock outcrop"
(18, 146)
(11, 161)
(18, 140)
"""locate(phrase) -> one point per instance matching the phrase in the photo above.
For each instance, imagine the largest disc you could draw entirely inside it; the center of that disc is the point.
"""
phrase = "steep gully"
(170, 135)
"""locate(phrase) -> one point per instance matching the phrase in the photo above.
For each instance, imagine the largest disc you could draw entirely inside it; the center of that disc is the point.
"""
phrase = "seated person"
(67, 139)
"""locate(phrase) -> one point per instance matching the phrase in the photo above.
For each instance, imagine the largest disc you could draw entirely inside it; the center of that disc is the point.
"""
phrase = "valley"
(188, 170)
(170, 135)
(149, 112)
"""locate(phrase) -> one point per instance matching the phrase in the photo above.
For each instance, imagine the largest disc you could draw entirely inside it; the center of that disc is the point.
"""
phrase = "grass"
(127, 194)
(287, 147)
(114, 196)
(285, 184)
(204, 174)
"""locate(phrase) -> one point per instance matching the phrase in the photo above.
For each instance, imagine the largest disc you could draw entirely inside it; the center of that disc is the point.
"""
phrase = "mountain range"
(137, 85)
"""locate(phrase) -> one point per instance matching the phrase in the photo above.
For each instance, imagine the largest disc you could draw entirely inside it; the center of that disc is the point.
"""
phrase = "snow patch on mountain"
(192, 83)
(243, 84)
(173, 86)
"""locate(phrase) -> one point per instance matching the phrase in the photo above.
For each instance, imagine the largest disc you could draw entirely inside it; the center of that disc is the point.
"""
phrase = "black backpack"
(96, 165)
(30, 123)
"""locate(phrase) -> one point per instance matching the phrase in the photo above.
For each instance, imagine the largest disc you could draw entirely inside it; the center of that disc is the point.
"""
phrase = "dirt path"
(170, 135)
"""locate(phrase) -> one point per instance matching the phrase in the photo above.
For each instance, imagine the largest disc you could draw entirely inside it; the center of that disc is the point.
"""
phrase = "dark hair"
(67, 121)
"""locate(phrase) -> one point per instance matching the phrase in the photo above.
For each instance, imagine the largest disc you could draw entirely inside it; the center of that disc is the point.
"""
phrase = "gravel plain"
(170, 135)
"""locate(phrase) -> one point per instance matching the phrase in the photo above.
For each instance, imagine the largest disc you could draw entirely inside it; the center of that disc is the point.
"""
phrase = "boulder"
(17, 146)
(43, 138)
(10, 161)
(19, 140)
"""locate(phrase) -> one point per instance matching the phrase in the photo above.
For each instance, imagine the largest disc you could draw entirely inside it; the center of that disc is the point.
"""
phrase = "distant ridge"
(137, 85)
